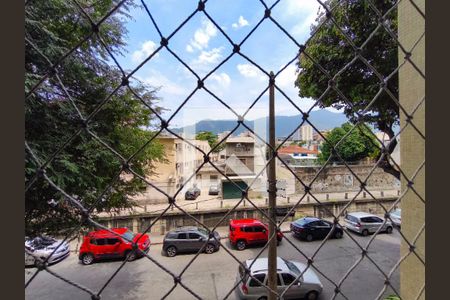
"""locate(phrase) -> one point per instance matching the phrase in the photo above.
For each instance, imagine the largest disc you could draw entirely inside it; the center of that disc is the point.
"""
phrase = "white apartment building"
(306, 133)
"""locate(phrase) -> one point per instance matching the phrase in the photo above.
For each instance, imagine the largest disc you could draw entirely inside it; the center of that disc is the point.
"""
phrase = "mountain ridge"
(284, 125)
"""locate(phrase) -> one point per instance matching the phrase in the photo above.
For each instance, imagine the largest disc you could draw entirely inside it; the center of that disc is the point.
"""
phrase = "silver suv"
(365, 223)
(190, 239)
(308, 286)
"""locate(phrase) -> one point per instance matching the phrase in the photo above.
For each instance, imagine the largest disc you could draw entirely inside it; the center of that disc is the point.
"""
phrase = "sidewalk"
(206, 202)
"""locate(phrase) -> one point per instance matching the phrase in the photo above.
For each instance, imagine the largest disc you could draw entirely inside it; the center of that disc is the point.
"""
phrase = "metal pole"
(272, 272)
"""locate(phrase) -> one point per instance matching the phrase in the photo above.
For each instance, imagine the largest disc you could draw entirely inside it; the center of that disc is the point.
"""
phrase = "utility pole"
(272, 272)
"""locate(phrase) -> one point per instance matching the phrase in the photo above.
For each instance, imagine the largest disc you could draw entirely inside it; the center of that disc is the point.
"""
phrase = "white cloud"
(305, 11)
(241, 23)
(248, 70)
(208, 57)
(287, 78)
(189, 48)
(304, 7)
(202, 36)
(223, 79)
(168, 87)
(147, 48)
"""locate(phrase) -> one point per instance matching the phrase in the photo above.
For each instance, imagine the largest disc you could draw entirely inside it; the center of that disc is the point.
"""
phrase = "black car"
(190, 239)
(192, 194)
(310, 228)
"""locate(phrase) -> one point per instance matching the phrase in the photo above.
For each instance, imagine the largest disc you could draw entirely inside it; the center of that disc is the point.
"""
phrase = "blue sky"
(202, 46)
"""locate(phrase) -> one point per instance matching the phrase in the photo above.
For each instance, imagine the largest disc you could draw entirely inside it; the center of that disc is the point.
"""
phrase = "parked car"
(196, 190)
(41, 247)
(308, 286)
(365, 223)
(190, 239)
(246, 232)
(102, 244)
(396, 217)
(214, 190)
(192, 194)
(310, 228)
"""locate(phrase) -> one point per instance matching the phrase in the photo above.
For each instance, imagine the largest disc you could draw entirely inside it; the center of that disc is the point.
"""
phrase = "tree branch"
(385, 164)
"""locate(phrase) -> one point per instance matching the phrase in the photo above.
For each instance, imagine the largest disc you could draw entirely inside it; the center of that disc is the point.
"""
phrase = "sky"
(202, 46)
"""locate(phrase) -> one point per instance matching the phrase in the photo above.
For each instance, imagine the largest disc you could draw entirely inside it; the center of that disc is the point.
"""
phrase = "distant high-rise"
(306, 133)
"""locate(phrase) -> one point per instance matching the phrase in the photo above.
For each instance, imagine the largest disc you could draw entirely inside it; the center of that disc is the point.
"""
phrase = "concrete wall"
(339, 178)
(173, 219)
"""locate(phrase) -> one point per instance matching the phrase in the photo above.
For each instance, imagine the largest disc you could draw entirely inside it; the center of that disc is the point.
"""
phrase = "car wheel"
(262, 298)
(338, 235)
(87, 259)
(171, 251)
(209, 249)
(241, 245)
(313, 295)
(389, 230)
(365, 232)
(130, 255)
(309, 237)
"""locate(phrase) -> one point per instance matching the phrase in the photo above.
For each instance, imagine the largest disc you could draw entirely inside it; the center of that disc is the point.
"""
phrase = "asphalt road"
(212, 276)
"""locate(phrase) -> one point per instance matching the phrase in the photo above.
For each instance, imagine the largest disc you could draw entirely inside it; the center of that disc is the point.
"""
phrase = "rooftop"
(295, 149)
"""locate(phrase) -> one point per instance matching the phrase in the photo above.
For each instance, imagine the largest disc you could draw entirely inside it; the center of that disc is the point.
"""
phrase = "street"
(213, 276)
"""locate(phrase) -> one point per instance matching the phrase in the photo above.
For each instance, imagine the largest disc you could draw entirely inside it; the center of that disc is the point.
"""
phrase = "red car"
(104, 244)
(245, 232)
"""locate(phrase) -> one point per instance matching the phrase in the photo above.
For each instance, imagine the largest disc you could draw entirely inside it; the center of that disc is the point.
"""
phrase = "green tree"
(358, 83)
(359, 144)
(211, 138)
(84, 168)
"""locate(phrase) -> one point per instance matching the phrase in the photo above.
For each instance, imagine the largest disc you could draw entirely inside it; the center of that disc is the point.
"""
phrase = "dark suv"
(104, 244)
(192, 193)
(190, 239)
(245, 232)
(310, 228)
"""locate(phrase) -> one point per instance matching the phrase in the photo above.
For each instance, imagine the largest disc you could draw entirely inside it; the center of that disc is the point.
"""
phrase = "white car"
(41, 247)
(307, 286)
(365, 223)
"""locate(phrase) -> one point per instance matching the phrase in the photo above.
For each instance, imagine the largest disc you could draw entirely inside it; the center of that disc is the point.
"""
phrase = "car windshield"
(203, 230)
(292, 267)
(129, 235)
(301, 222)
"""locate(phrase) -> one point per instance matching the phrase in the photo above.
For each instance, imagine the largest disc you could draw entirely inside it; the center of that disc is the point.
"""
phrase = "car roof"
(103, 232)
(261, 265)
(184, 228)
(246, 222)
(361, 214)
(310, 219)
